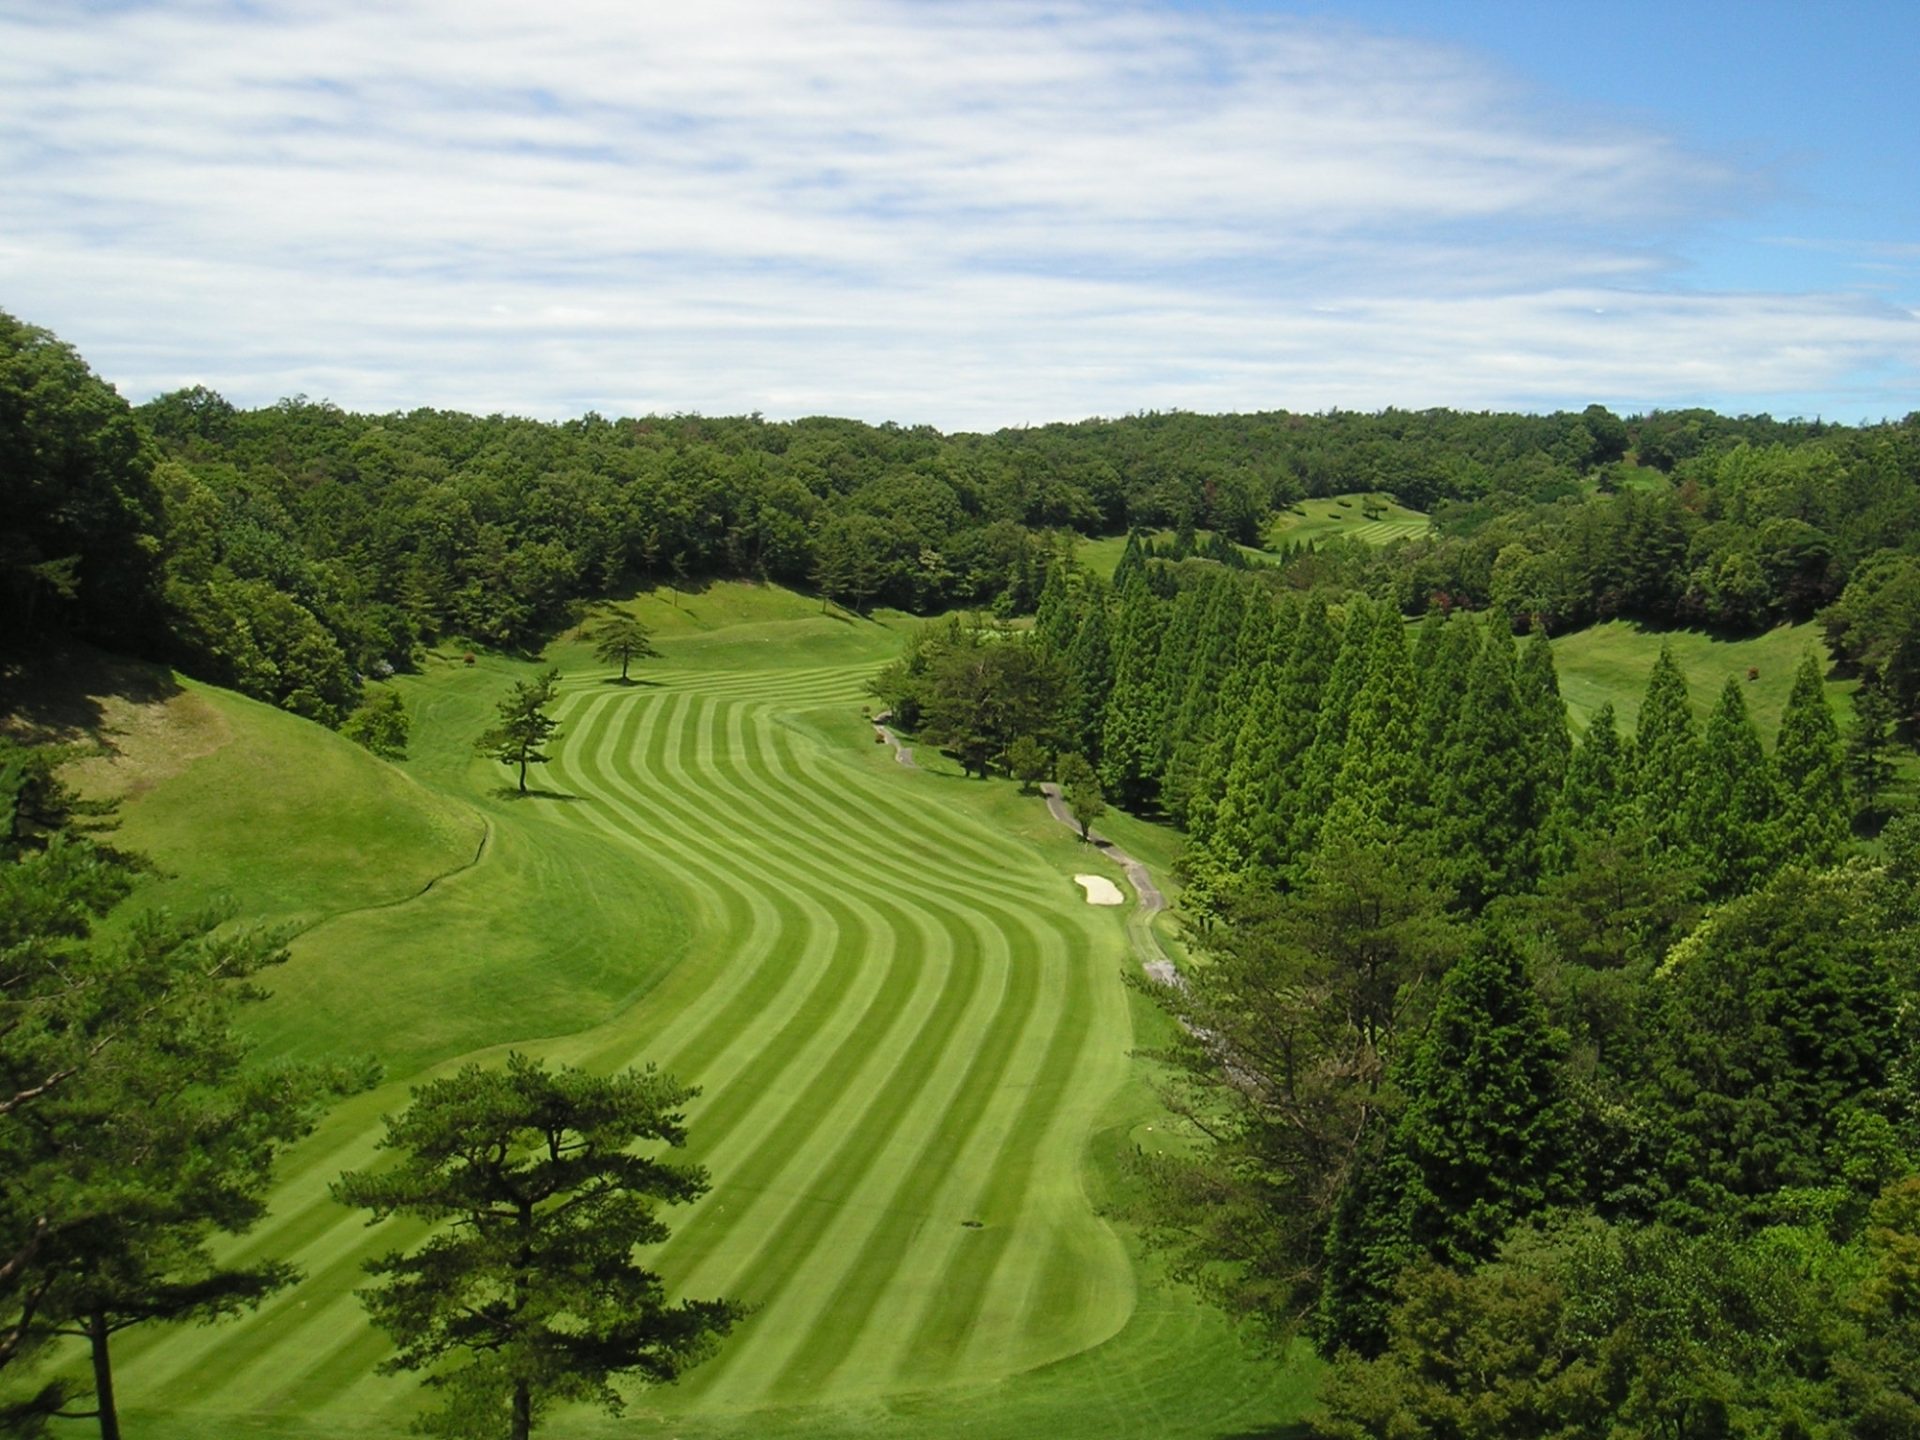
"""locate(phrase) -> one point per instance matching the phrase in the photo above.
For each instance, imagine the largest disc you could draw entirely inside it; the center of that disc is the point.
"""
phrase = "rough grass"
(911, 1034)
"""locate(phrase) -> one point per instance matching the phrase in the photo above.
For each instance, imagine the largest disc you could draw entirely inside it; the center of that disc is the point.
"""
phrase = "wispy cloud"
(971, 215)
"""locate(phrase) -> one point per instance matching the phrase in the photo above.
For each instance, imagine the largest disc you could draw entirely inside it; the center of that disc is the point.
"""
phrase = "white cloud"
(970, 215)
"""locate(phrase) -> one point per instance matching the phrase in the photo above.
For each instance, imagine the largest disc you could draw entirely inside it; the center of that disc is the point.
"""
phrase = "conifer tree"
(1132, 562)
(1595, 792)
(1812, 772)
(1443, 683)
(1322, 762)
(1544, 713)
(1055, 620)
(1089, 673)
(1377, 789)
(1489, 801)
(1263, 627)
(1192, 730)
(1665, 745)
(1735, 801)
(1484, 1140)
(1875, 713)
(1130, 738)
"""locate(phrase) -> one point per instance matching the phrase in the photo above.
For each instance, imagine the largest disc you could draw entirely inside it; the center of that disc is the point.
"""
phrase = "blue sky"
(972, 215)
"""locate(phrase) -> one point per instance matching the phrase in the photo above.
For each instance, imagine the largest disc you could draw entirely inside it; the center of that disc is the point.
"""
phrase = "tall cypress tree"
(1206, 679)
(1812, 769)
(1489, 800)
(1735, 801)
(1597, 789)
(1056, 620)
(1263, 629)
(1665, 746)
(1550, 740)
(1443, 683)
(1090, 673)
(1377, 790)
(1322, 762)
(1129, 739)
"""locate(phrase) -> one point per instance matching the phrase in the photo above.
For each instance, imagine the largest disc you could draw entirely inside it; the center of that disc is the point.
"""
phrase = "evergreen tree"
(1179, 654)
(1869, 742)
(1130, 737)
(524, 725)
(1443, 684)
(1484, 1139)
(1377, 790)
(1591, 799)
(1812, 772)
(623, 638)
(1490, 800)
(1322, 762)
(1263, 628)
(1212, 664)
(1665, 746)
(1089, 673)
(1735, 801)
(1545, 714)
(1056, 621)
(1132, 562)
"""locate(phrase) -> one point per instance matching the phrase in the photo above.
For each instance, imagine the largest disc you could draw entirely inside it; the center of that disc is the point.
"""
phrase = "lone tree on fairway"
(623, 638)
(1080, 788)
(531, 1177)
(524, 725)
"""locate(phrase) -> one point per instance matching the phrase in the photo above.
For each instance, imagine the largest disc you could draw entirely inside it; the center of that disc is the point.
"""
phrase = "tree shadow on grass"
(57, 694)
(630, 683)
(513, 792)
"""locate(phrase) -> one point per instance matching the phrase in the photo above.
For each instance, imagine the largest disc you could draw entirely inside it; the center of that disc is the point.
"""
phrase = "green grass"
(1311, 521)
(1610, 663)
(910, 1032)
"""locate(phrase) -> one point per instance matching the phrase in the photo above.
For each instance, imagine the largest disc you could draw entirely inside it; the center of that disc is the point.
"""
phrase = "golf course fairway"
(911, 1035)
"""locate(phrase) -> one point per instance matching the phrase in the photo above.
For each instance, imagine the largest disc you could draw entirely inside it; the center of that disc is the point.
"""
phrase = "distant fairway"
(911, 1034)
(1312, 521)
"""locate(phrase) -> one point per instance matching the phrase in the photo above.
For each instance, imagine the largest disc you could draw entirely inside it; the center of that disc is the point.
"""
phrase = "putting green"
(913, 1043)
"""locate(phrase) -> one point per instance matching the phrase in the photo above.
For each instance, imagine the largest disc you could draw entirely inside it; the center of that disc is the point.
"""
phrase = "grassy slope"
(902, 1016)
(1610, 663)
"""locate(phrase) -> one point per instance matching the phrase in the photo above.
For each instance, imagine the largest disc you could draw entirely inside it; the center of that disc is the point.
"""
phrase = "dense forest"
(1551, 1083)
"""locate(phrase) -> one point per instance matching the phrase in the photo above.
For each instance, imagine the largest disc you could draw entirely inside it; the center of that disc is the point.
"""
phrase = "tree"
(1868, 741)
(1027, 761)
(621, 637)
(380, 724)
(133, 1127)
(1812, 771)
(1735, 818)
(532, 1178)
(524, 725)
(1080, 788)
(1665, 747)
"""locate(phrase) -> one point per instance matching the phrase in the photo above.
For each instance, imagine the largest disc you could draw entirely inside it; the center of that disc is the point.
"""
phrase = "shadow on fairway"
(509, 792)
(1297, 1430)
(630, 683)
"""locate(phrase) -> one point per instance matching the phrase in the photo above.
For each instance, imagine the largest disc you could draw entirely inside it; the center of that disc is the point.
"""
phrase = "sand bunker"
(1100, 890)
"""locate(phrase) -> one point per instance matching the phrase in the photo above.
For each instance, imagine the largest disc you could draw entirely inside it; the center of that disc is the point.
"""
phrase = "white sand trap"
(1100, 890)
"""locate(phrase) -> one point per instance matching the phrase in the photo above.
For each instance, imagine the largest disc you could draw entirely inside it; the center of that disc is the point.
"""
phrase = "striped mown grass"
(913, 1043)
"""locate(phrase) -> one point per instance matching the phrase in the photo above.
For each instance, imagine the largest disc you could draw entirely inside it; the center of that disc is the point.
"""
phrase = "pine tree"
(1735, 801)
(1665, 746)
(1056, 620)
(1263, 628)
(1812, 772)
(1443, 683)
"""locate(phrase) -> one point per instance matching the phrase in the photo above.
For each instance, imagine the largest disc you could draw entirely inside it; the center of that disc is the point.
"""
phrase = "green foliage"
(532, 1286)
(380, 723)
(1869, 745)
(524, 725)
(79, 532)
(1735, 800)
(1080, 788)
(1027, 761)
(1130, 733)
(1771, 1022)
(623, 639)
(1812, 770)
(1665, 747)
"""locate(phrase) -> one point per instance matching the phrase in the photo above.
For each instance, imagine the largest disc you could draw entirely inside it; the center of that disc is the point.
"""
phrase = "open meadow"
(911, 1035)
